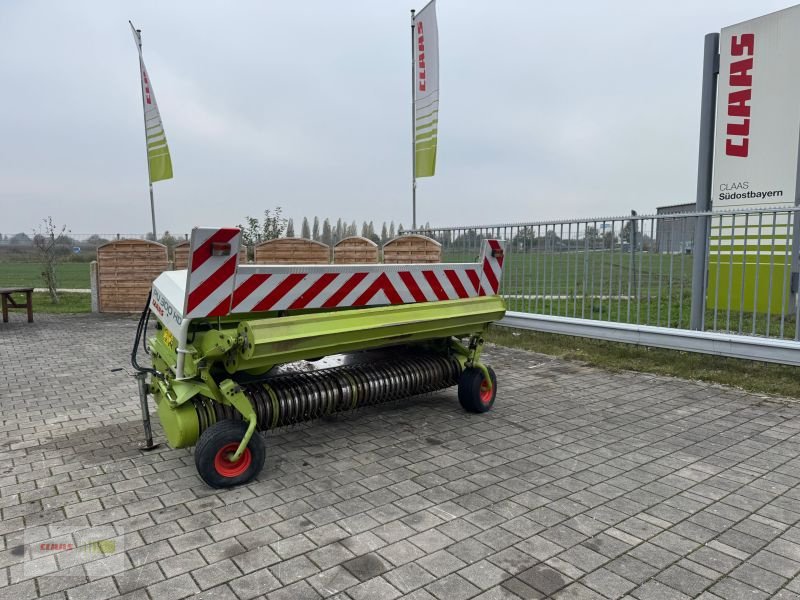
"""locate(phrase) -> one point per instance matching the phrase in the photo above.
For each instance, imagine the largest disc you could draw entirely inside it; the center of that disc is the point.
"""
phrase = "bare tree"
(45, 240)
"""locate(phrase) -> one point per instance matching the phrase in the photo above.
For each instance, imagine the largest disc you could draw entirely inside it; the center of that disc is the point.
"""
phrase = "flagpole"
(413, 129)
(144, 117)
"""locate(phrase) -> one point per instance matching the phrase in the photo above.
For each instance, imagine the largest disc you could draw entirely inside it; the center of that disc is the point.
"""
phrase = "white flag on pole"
(426, 90)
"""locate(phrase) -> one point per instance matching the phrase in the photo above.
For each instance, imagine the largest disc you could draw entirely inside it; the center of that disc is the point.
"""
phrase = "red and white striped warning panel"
(216, 286)
(213, 259)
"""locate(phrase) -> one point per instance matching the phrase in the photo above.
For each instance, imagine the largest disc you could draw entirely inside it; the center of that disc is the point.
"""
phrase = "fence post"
(95, 290)
(705, 161)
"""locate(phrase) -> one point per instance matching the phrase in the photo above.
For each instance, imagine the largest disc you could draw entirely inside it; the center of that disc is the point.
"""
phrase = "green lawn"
(68, 303)
(71, 275)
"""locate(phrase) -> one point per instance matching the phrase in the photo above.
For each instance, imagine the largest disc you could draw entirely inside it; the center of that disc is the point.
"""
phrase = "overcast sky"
(548, 109)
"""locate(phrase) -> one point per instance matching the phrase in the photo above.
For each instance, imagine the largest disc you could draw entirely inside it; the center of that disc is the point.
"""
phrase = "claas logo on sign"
(740, 79)
(421, 63)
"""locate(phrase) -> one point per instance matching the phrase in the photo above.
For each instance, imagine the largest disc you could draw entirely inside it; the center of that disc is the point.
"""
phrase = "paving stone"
(452, 587)
(577, 591)
(758, 578)
(216, 574)
(484, 574)
(330, 555)
(441, 563)
(583, 558)
(520, 589)
(176, 587)
(409, 577)
(733, 589)
(654, 590)
(401, 553)
(684, 581)
(181, 563)
(777, 564)
(96, 590)
(608, 583)
(544, 579)
(367, 566)
(290, 571)
(377, 587)
(257, 583)
(140, 577)
(332, 581)
(297, 591)
(257, 558)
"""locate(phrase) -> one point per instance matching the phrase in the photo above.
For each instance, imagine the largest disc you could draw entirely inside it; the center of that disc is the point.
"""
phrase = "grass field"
(68, 303)
(71, 275)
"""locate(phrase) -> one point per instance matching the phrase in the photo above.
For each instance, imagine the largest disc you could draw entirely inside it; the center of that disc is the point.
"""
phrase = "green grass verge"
(748, 375)
(71, 275)
(69, 303)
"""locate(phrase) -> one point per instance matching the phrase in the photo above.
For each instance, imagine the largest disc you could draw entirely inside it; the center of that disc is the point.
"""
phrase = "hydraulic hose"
(141, 328)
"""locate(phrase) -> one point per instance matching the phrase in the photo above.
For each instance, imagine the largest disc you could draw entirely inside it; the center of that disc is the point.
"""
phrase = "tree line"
(273, 225)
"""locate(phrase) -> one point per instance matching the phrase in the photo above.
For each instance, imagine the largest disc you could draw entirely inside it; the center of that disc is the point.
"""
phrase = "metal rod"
(744, 271)
(758, 269)
(141, 380)
(786, 271)
(413, 127)
(771, 272)
(730, 271)
(705, 160)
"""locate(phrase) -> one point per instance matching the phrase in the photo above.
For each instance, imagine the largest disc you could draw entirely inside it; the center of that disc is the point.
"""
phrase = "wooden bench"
(9, 302)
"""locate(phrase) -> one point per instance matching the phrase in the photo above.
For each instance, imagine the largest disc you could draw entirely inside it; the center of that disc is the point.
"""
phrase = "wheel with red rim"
(474, 392)
(213, 455)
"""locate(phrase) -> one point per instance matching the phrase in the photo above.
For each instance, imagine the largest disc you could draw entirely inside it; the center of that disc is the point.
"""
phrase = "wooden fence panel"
(180, 253)
(125, 273)
(355, 250)
(411, 249)
(292, 251)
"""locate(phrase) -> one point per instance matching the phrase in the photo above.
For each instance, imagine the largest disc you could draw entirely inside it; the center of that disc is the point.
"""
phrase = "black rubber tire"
(223, 434)
(469, 390)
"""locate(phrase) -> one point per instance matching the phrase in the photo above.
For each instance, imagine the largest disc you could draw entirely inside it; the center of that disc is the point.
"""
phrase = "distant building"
(675, 235)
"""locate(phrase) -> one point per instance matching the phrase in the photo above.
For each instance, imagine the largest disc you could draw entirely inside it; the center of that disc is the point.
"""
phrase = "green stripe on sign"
(433, 123)
(160, 163)
(430, 114)
(427, 136)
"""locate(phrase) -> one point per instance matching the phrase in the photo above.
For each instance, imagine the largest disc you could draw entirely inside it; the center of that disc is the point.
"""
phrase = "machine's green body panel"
(287, 339)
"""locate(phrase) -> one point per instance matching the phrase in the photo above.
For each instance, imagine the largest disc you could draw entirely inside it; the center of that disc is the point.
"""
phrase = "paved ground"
(580, 484)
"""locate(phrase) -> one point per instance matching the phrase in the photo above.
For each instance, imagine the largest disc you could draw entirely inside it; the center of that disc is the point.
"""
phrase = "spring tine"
(304, 396)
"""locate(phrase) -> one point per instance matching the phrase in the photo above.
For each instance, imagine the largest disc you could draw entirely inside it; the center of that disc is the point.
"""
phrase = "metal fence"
(637, 270)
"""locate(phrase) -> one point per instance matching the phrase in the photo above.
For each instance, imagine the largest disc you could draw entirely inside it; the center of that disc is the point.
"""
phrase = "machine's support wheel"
(215, 447)
(474, 393)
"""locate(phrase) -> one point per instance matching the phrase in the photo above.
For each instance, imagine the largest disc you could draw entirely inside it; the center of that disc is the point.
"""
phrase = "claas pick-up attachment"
(226, 331)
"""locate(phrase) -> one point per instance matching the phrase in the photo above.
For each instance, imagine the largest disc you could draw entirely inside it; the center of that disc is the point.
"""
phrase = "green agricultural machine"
(227, 336)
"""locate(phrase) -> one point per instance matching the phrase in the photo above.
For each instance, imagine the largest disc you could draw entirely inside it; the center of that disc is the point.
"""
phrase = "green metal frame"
(219, 349)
